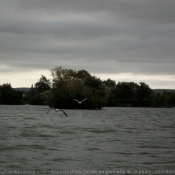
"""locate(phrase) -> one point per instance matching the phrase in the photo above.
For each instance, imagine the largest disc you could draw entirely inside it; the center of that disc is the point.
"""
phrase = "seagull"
(56, 110)
(80, 101)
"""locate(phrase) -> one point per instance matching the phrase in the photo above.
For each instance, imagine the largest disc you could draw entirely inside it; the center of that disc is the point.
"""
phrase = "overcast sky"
(124, 40)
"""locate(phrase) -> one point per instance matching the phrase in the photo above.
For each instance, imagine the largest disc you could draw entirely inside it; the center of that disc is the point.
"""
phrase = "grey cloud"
(154, 11)
(102, 36)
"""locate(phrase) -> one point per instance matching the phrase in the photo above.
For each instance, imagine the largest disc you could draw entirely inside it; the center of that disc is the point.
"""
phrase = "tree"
(59, 74)
(9, 95)
(145, 95)
(96, 91)
(110, 83)
(83, 74)
(124, 94)
(144, 91)
(69, 84)
(125, 90)
(34, 95)
(42, 85)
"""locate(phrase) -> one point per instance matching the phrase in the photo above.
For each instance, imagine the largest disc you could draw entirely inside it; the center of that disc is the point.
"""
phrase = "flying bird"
(80, 101)
(56, 110)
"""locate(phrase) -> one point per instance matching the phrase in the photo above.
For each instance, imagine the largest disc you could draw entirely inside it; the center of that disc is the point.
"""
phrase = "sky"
(123, 40)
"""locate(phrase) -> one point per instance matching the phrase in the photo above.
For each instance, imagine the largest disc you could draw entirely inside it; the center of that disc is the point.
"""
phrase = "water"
(108, 141)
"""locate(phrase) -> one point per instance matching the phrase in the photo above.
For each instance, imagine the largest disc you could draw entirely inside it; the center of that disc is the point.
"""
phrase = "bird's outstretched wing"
(63, 112)
(77, 100)
(84, 100)
(58, 110)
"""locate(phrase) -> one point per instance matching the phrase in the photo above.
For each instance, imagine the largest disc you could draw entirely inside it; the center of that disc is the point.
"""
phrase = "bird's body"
(79, 102)
(57, 111)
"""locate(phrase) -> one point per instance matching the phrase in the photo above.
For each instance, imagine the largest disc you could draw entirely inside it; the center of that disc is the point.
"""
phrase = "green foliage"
(42, 85)
(125, 90)
(144, 91)
(130, 94)
(109, 83)
(10, 96)
(34, 96)
(166, 99)
(68, 84)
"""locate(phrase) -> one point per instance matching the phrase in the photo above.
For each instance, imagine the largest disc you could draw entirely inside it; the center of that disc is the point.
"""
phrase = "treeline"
(10, 96)
(68, 84)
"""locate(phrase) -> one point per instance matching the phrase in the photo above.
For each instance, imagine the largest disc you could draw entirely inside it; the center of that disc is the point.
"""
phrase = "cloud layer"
(108, 38)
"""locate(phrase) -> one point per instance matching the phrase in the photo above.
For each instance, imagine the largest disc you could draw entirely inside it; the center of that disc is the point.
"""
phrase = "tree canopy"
(67, 85)
(10, 96)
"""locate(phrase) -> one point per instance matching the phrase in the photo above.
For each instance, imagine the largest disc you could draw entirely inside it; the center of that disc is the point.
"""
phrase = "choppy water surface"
(112, 140)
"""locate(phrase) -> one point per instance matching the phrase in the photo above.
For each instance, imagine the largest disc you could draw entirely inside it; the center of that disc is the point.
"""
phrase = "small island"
(68, 84)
